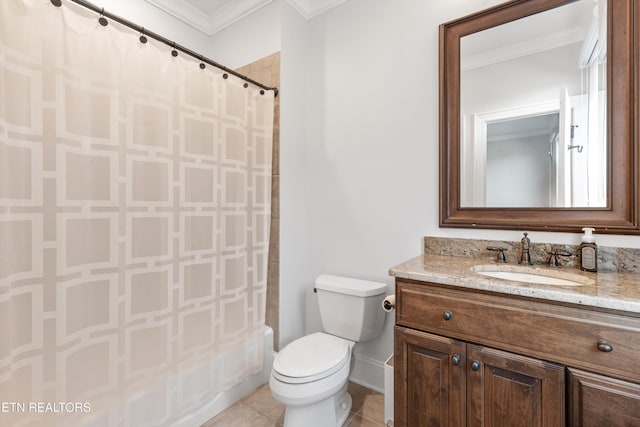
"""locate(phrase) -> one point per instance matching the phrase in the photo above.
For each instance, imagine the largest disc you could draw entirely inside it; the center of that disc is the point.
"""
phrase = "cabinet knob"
(475, 365)
(604, 346)
(455, 360)
(447, 315)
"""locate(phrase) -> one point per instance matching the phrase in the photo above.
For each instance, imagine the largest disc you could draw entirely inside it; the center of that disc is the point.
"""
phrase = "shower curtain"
(134, 209)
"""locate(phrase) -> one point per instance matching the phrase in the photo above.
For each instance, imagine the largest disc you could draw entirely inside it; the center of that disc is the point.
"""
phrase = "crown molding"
(211, 23)
(311, 8)
(232, 11)
(517, 50)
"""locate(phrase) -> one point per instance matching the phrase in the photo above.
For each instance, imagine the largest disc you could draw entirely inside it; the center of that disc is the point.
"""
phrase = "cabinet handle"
(456, 360)
(604, 346)
(447, 315)
(475, 365)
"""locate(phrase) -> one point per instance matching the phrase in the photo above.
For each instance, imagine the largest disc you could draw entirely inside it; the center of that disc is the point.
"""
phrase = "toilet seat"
(311, 358)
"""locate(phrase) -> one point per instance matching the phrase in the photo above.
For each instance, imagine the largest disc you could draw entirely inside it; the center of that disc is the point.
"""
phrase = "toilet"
(310, 375)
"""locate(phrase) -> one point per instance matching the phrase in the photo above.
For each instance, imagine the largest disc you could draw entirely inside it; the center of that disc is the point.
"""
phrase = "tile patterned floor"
(260, 409)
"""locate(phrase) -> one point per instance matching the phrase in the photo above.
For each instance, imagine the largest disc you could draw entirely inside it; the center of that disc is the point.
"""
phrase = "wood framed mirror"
(617, 209)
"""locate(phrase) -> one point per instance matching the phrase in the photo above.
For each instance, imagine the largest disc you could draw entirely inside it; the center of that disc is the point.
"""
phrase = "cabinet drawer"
(556, 333)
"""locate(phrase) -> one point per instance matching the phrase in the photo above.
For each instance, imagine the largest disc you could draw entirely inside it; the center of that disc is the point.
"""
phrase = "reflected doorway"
(521, 161)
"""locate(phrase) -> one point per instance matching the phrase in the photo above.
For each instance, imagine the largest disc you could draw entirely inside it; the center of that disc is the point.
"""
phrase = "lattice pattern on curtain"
(134, 208)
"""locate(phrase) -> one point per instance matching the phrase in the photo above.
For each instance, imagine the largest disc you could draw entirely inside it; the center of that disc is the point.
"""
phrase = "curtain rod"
(144, 32)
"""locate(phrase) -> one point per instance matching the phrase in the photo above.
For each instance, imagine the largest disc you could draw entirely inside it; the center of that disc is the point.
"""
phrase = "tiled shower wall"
(267, 72)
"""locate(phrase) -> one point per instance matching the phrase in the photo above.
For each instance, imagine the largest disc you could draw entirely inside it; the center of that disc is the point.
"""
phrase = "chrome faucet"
(525, 258)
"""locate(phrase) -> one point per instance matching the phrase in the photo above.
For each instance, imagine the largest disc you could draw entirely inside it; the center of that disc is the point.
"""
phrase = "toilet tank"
(351, 308)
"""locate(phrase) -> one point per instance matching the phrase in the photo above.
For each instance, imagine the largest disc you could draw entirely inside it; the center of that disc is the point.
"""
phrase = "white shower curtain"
(134, 209)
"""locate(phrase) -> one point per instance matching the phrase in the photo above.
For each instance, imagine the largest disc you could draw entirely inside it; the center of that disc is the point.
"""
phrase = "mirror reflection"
(533, 111)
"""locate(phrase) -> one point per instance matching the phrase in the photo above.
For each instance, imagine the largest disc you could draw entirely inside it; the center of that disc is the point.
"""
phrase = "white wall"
(359, 145)
(253, 37)
(518, 172)
(368, 140)
(294, 222)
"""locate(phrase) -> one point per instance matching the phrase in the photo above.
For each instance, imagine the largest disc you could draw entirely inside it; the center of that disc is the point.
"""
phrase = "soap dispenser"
(588, 251)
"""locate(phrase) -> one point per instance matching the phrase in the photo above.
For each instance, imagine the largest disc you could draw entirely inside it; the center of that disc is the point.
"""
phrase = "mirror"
(532, 110)
(538, 117)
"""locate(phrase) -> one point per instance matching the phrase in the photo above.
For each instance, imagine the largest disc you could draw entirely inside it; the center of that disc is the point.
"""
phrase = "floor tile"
(358, 395)
(241, 415)
(262, 401)
(260, 409)
(373, 407)
(358, 421)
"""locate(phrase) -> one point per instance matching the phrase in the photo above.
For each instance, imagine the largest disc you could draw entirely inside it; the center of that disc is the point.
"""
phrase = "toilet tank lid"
(346, 285)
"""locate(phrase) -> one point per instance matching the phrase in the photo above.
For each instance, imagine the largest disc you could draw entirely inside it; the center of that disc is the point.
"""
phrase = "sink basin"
(520, 273)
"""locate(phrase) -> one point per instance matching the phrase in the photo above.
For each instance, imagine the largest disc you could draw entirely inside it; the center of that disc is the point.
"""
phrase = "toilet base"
(330, 412)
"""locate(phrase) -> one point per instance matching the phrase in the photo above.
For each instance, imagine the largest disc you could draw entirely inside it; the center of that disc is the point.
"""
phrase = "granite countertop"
(606, 290)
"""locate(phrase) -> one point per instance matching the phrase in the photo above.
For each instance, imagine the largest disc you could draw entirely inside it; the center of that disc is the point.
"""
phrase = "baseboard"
(368, 372)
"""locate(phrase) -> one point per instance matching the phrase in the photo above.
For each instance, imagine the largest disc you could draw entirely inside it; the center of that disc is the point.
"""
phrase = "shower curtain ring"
(174, 52)
(56, 3)
(102, 20)
(202, 66)
(143, 38)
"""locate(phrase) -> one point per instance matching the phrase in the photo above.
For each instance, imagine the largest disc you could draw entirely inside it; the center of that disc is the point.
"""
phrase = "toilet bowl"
(310, 375)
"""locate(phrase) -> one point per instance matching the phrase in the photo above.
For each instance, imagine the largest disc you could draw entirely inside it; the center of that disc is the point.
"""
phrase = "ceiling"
(211, 16)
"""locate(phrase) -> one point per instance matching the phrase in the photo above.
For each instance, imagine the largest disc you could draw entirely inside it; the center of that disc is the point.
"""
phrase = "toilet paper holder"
(389, 303)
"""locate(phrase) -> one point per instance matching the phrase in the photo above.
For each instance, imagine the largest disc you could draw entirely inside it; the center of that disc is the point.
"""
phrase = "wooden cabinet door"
(596, 401)
(429, 380)
(509, 390)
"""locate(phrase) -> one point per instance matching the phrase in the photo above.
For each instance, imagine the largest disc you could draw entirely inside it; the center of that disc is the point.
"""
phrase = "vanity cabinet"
(432, 388)
(451, 383)
(597, 401)
(465, 357)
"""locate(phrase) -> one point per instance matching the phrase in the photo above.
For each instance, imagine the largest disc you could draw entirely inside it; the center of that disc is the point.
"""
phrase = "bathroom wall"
(255, 36)
(518, 171)
(359, 146)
